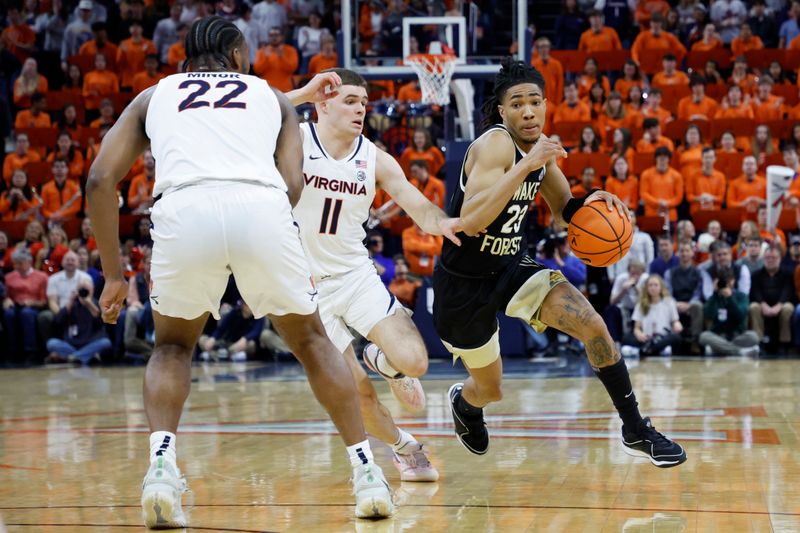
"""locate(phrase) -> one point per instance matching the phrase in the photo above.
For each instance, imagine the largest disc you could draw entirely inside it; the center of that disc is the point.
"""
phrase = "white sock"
(404, 440)
(360, 454)
(383, 365)
(162, 444)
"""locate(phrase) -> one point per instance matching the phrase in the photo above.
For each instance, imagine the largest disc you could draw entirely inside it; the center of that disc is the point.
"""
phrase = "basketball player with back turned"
(229, 170)
(491, 272)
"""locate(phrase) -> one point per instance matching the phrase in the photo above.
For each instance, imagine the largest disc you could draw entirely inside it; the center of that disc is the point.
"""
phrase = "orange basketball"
(599, 237)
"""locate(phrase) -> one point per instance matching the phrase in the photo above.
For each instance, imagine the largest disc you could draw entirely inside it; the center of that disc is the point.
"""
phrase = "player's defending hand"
(544, 151)
(611, 202)
(449, 227)
(113, 299)
(322, 87)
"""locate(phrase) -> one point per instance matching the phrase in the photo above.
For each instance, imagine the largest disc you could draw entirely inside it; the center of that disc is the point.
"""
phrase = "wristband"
(573, 204)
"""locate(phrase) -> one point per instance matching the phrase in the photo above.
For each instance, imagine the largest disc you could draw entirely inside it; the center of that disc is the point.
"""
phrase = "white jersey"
(213, 126)
(335, 205)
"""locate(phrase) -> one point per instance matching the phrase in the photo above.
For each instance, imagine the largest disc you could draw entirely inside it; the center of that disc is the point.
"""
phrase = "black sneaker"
(649, 443)
(470, 429)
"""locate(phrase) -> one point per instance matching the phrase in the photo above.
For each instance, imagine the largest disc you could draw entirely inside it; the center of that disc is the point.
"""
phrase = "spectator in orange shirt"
(28, 83)
(61, 197)
(613, 117)
(623, 185)
(66, 150)
(100, 45)
(18, 38)
(149, 77)
(748, 191)
(599, 37)
(652, 139)
(410, 92)
(98, 84)
(740, 75)
(20, 201)
(746, 41)
(276, 61)
(551, 70)
(35, 117)
(372, 16)
(68, 121)
(106, 117)
(661, 187)
(431, 188)
(622, 146)
(21, 156)
(572, 109)
(706, 190)
(762, 144)
(776, 236)
(766, 106)
(690, 155)
(176, 53)
(421, 249)
(589, 142)
(590, 76)
(697, 106)
(733, 106)
(403, 287)
(790, 159)
(657, 39)
(587, 183)
(653, 108)
(140, 193)
(669, 75)
(326, 58)
(132, 52)
(710, 40)
(631, 75)
(647, 10)
(422, 149)
(596, 100)
(634, 109)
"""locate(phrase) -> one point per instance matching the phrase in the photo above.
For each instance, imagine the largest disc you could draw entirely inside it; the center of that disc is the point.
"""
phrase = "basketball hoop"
(434, 72)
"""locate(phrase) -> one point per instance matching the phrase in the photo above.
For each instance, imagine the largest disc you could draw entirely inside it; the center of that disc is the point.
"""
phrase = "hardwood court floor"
(260, 455)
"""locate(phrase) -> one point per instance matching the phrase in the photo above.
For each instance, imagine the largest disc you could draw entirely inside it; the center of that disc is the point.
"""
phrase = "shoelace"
(420, 459)
(657, 438)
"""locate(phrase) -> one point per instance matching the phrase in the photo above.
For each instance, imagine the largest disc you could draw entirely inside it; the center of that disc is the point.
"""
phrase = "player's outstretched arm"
(389, 177)
(493, 178)
(320, 88)
(123, 143)
(289, 150)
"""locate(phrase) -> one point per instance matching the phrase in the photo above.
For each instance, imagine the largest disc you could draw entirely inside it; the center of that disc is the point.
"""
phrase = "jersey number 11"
(326, 213)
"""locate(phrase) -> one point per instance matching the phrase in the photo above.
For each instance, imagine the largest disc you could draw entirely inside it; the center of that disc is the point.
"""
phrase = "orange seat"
(787, 221)
(671, 95)
(15, 229)
(772, 159)
(72, 227)
(570, 131)
(676, 129)
(576, 162)
(791, 59)
(127, 223)
(84, 62)
(650, 60)
(652, 224)
(787, 91)
(168, 70)
(730, 219)
(121, 101)
(41, 137)
(642, 162)
(730, 165)
(740, 127)
(696, 60)
(611, 60)
(781, 129)
(761, 59)
(571, 60)
(716, 91)
(38, 173)
(88, 133)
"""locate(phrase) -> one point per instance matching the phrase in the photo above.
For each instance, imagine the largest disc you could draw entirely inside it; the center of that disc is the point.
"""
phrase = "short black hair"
(663, 151)
(349, 77)
(211, 39)
(649, 122)
(707, 149)
(512, 72)
(419, 163)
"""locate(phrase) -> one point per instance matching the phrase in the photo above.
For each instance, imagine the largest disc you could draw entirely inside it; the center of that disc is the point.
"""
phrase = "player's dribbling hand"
(449, 227)
(322, 87)
(611, 201)
(112, 299)
(544, 151)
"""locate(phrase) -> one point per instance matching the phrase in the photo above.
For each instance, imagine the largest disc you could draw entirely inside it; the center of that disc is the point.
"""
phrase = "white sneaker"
(752, 351)
(222, 354)
(629, 351)
(238, 357)
(205, 356)
(414, 465)
(373, 496)
(408, 391)
(161, 496)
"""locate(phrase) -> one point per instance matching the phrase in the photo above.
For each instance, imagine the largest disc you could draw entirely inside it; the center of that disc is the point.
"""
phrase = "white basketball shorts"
(357, 299)
(204, 232)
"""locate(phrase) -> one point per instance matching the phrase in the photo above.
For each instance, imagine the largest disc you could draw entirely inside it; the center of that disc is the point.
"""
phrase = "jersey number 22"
(191, 101)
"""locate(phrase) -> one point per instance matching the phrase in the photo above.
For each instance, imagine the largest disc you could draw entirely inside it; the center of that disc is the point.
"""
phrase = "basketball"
(599, 237)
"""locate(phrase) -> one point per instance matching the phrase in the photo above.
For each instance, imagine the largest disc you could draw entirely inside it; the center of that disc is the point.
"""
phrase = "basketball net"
(434, 70)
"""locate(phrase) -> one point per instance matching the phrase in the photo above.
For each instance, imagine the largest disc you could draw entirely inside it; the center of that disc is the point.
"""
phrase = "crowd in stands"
(676, 107)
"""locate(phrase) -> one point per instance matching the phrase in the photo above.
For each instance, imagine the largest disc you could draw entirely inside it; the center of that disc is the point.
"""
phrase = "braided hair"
(512, 72)
(210, 40)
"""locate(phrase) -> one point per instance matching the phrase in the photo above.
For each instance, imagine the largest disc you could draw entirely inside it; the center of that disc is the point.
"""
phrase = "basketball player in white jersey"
(342, 169)
(229, 163)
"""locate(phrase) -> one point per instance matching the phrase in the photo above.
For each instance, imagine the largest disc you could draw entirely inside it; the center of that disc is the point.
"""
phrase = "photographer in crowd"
(84, 338)
(726, 318)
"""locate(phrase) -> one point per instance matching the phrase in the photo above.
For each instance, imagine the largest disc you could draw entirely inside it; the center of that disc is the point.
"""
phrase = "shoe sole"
(376, 504)
(661, 464)
(455, 414)
(158, 507)
(427, 477)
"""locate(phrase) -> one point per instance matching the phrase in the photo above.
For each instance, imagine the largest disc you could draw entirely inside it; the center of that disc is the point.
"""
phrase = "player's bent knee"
(491, 393)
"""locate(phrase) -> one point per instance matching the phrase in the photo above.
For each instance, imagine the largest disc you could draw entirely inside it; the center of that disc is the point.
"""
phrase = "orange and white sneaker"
(408, 391)
(413, 464)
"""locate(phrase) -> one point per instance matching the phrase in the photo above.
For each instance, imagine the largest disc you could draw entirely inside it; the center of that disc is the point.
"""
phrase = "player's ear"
(502, 111)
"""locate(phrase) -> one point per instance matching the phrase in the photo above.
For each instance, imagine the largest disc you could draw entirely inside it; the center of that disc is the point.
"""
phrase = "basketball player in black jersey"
(491, 271)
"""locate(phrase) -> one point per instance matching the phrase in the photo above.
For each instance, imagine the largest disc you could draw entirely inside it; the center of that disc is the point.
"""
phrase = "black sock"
(463, 406)
(618, 384)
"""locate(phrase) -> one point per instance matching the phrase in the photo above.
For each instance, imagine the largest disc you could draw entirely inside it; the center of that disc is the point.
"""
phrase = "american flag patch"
(361, 164)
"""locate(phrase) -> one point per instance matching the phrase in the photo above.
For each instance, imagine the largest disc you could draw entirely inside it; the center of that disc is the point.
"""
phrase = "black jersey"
(505, 240)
